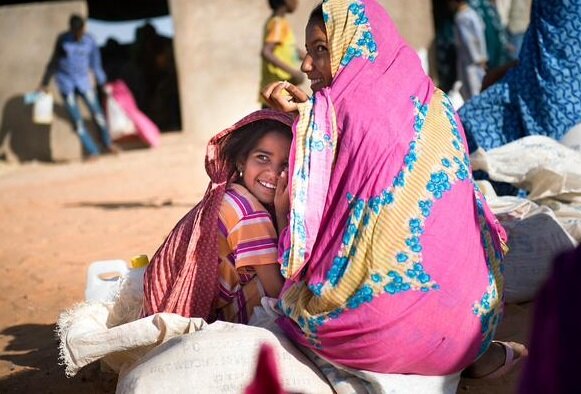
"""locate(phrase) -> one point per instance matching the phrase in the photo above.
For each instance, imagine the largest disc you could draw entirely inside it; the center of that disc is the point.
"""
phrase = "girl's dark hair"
(237, 147)
(317, 14)
(275, 4)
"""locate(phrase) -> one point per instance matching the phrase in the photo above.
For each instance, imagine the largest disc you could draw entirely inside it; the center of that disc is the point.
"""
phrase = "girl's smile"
(264, 164)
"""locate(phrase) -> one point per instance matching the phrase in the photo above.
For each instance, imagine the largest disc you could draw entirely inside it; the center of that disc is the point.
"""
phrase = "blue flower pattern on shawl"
(365, 45)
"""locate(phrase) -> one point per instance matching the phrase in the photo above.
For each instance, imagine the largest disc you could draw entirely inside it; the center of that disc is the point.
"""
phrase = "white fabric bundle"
(548, 221)
(536, 163)
(170, 353)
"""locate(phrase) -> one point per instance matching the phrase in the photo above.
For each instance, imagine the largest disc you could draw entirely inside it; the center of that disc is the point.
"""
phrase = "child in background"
(222, 257)
(281, 58)
(472, 57)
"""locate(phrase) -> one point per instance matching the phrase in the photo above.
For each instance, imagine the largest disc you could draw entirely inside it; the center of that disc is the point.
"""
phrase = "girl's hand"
(282, 201)
(284, 96)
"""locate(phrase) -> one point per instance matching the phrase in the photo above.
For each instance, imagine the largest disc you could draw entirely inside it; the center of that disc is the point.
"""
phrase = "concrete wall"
(414, 20)
(27, 37)
(217, 46)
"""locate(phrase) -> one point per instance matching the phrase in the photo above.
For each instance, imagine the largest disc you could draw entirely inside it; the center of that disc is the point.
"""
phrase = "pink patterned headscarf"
(182, 277)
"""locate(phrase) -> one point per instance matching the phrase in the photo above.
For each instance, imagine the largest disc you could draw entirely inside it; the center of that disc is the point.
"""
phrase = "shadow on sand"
(112, 205)
(31, 357)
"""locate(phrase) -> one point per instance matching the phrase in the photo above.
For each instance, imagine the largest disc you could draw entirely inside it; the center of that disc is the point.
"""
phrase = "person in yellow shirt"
(281, 58)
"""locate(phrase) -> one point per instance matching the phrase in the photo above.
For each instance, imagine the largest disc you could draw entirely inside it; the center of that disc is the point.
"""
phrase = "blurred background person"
(471, 55)
(497, 45)
(151, 75)
(445, 45)
(519, 17)
(281, 57)
(75, 55)
(515, 17)
(503, 9)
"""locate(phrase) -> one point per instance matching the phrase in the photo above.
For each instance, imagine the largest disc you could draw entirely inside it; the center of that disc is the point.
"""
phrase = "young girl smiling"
(221, 258)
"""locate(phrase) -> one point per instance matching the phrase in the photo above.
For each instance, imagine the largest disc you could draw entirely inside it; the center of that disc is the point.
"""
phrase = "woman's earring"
(240, 173)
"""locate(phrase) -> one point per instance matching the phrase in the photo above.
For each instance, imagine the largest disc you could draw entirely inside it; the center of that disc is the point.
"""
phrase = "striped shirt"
(246, 238)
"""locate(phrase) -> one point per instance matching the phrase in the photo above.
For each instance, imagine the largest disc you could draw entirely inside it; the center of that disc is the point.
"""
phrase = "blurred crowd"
(148, 68)
(477, 33)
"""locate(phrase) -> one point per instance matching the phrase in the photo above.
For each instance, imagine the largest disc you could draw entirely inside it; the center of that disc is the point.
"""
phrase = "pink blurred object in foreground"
(266, 380)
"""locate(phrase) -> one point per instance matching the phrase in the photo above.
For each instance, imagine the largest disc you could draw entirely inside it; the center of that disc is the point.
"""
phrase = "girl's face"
(317, 62)
(264, 164)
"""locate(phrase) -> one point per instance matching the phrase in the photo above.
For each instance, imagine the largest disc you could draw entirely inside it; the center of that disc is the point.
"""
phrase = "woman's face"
(317, 62)
(264, 164)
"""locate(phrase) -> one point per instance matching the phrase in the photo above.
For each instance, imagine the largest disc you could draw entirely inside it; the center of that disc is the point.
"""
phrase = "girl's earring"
(240, 173)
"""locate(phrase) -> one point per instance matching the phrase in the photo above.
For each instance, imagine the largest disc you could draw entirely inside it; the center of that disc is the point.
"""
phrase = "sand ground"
(57, 218)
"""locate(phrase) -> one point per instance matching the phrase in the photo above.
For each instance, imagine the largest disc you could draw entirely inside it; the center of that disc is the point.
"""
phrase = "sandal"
(509, 360)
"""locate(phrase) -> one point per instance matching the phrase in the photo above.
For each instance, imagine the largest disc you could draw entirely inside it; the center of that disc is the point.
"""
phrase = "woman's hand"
(284, 96)
(282, 201)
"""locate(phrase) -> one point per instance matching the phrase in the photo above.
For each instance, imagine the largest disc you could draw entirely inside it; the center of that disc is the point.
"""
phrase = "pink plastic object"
(146, 129)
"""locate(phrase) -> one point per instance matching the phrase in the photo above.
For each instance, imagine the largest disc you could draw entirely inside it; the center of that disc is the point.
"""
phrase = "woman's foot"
(499, 359)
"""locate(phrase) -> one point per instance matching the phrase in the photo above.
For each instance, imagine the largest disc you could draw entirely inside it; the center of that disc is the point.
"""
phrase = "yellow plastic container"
(139, 261)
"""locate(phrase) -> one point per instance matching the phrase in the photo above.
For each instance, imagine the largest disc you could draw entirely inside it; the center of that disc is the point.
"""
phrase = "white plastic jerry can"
(103, 279)
(42, 109)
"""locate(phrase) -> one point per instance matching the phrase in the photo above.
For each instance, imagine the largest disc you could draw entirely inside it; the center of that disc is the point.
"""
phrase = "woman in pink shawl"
(392, 257)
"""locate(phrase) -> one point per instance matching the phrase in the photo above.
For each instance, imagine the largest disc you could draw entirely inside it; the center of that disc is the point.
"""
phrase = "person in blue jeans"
(75, 55)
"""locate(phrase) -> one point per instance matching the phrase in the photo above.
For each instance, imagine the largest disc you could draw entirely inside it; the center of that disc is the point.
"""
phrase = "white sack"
(171, 353)
(85, 337)
(572, 138)
(220, 358)
(535, 238)
(351, 381)
(538, 164)
(120, 125)
(569, 215)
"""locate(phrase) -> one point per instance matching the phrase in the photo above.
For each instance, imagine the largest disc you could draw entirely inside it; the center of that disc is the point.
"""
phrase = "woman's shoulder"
(241, 202)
